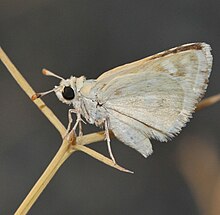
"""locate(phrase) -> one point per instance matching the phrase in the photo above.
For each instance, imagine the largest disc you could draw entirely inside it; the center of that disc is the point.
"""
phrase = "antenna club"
(35, 96)
(44, 71)
(49, 73)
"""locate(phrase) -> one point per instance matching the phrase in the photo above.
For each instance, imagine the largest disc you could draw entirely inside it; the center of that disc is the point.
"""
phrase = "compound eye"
(68, 93)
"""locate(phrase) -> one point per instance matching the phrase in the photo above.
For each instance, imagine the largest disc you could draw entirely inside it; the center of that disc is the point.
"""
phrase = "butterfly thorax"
(91, 109)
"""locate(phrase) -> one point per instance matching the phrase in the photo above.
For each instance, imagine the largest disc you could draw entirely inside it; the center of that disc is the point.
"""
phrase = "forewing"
(161, 91)
(138, 65)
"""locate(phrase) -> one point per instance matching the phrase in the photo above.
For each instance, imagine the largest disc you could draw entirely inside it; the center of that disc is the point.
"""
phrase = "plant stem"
(208, 102)
(29, 91)
(44, 179)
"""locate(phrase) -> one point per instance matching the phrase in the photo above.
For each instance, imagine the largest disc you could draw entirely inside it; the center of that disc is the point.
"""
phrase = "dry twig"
(199, 163)
(208, 102)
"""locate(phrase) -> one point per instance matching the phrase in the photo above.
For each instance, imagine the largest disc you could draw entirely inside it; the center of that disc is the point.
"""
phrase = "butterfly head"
(65, 91)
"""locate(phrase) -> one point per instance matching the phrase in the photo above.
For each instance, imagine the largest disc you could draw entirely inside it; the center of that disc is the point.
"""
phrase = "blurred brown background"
(84, 37)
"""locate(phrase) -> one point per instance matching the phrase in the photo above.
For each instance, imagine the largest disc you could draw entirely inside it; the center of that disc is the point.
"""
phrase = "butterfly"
(152, 98)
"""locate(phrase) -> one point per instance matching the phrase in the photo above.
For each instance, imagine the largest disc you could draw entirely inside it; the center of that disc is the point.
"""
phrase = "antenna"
(38, 95)
(49, 73)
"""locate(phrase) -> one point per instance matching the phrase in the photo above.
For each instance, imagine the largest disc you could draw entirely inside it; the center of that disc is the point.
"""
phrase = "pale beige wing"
(130, 132)
(139, 65)
(160, 92)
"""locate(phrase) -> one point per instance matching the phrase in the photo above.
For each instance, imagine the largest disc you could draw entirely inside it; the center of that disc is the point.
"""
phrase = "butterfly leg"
(70, 121)
(107, 136)
(80, 128)
(79, 121)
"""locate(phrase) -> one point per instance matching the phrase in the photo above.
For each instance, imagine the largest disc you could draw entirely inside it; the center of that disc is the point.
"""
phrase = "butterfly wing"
(155, 96)
(137, 66)
(130, 132)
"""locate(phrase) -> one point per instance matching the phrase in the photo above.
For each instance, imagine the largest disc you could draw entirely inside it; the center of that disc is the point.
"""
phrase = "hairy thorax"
(93, 111)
